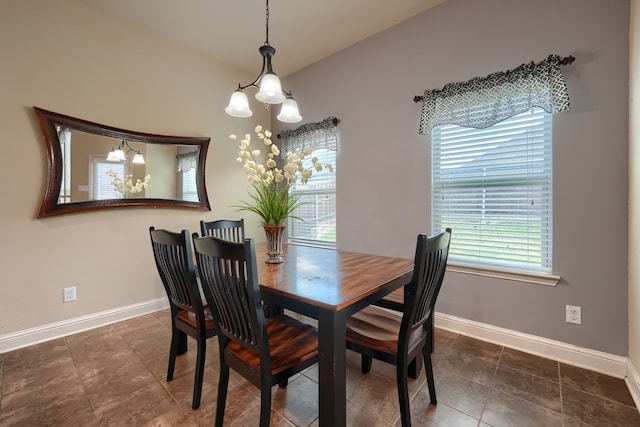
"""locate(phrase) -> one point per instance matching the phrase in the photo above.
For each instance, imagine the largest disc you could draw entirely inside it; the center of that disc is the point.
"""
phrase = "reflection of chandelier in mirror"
(119, 155)
(270, 91)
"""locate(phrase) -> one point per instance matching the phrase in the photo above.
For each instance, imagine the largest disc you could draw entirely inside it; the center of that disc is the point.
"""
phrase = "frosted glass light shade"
(289, 112)
(111, 157)
(116, 155)
(270, 90)
(138, 159)
(238, 105)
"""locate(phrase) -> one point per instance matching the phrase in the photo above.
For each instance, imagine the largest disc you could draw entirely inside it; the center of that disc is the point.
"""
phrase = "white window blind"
(103, 187)
(319, 209)
(189, 187)
(493, 188)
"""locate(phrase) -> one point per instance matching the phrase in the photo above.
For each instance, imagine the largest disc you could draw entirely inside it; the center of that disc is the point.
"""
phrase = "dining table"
(329, 285)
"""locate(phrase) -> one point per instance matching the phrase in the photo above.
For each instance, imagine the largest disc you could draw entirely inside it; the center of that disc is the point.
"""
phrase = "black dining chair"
(189, 316)
(395, 301)
(232, 230)
(398, 338)
(265, 351)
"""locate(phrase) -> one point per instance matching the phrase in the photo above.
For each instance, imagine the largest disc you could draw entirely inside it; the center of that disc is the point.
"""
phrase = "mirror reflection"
(93, 166)
(97, 167)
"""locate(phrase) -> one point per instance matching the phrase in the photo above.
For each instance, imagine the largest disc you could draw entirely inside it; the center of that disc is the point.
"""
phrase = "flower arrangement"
(271, 198)
(127, 188)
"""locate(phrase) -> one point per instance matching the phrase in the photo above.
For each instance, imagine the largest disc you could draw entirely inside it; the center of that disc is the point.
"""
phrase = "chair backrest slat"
(223, 229)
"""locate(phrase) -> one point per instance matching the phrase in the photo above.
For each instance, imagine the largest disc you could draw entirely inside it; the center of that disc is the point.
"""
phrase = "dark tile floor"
(115, 376)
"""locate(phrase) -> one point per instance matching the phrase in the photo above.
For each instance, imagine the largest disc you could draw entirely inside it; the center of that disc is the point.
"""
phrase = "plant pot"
(274, 243)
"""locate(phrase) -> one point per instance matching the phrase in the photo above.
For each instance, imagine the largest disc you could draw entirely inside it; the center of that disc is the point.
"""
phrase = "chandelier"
(269, 92)
(120, 155)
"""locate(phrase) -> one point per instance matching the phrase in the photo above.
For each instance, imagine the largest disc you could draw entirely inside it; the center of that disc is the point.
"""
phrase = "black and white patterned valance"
(484, 101)
(311, 135)
(187, 161)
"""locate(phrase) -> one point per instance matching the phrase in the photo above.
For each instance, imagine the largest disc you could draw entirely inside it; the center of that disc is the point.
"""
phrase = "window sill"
(518, 276)
(312, 243)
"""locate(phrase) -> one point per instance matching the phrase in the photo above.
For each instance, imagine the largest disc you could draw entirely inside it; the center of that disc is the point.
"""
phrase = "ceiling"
(302, 31)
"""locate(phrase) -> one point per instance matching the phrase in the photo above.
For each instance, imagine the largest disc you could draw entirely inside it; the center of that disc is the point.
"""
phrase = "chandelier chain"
(267, 25)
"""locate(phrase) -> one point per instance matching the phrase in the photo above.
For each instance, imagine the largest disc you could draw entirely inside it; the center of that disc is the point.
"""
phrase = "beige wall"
(634, 187)
(71, 58)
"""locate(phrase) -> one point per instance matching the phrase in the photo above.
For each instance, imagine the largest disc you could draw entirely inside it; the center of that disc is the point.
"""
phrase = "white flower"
(127, 188)
(267, 178)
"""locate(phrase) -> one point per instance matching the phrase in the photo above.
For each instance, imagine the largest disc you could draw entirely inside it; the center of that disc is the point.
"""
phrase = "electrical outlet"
(574, 314)
(70, 294)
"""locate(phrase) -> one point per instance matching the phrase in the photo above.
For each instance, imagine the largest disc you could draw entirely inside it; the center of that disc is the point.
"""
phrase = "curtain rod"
(563, 61)
(335, 122)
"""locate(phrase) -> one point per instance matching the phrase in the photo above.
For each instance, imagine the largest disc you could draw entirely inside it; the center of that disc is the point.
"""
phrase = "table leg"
(332, 369)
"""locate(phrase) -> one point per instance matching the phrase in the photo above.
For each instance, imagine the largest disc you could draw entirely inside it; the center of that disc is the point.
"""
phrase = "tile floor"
(115, 376)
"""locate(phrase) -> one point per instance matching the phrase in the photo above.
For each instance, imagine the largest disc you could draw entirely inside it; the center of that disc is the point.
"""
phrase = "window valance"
(484, 101)
(187, 161)
(311, 135)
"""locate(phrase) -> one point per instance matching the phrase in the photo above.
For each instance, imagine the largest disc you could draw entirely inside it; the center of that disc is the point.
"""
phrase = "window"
(102, 183)
(186, 169)
(318, 195)
(64, 135)
(319, 210)
(493, 188)
(189, 190)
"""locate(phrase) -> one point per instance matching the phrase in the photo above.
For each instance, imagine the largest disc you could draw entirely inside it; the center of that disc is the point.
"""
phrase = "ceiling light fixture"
(118, 154)
(270, 90)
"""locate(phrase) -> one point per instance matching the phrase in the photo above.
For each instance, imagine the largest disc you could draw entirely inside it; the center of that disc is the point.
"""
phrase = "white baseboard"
(609, 364)
(27, 337)
(633, 382)
(605, 363)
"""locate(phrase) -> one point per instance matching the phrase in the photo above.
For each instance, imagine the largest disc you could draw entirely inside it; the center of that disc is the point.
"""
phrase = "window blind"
(189, 186)
(318, 212)
(103, 187)
(493, 188)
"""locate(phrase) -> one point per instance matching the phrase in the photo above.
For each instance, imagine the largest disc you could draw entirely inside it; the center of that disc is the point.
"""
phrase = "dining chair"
(189, 316)
(223, 229)
(265, 351)
(398, 338)
(395, 301)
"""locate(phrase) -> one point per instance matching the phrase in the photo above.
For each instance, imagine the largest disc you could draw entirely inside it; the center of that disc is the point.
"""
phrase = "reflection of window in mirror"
(186, 169)
(189, 189)
(101, 186)
(64, 135)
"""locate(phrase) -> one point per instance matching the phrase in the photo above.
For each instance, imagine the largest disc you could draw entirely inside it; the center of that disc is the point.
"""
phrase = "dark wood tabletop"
(329, 285)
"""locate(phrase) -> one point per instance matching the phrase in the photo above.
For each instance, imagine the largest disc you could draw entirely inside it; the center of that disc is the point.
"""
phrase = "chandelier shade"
(289, 112)
(119, 155)
(270, 90)
(239, 105)
(116, 155)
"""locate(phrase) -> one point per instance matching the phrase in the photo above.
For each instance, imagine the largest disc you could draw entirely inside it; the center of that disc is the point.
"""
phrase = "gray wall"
(383, 166)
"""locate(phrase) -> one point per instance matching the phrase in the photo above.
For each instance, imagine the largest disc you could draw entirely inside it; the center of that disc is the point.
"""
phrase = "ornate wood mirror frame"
(169, 186)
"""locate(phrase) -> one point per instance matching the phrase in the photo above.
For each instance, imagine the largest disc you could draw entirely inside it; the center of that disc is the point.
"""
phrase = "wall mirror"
(93, 166)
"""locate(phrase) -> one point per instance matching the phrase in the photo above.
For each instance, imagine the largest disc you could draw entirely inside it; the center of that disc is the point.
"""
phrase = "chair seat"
(378, 328)
(290, 343)
(190, 318)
